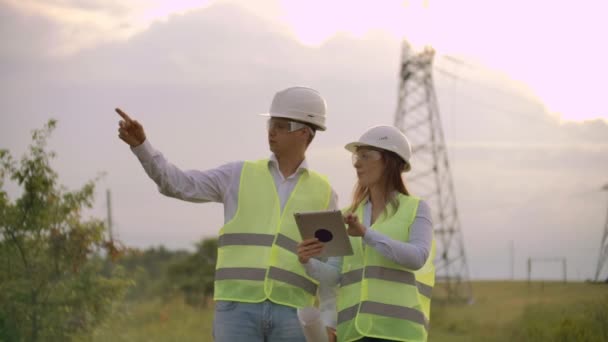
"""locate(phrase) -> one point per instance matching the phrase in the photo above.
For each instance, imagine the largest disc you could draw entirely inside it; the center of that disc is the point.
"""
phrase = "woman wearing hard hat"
(385, 286)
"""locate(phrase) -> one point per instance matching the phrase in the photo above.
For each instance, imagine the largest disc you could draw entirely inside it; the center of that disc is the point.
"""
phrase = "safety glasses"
(284, 126)
(366, 155)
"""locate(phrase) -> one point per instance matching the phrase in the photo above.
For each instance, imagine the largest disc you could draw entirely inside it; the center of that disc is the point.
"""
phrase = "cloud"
(23, 37)
(73, 25)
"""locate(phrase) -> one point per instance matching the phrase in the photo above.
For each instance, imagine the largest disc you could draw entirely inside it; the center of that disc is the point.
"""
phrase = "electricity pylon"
(603, 248)
(418, 118)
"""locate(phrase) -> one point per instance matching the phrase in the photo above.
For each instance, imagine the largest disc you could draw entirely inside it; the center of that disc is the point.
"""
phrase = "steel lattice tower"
(418, 117)
(603, 248)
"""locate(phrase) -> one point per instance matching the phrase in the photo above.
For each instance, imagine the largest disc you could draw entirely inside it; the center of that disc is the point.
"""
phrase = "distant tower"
(603, 248)
(418, 117)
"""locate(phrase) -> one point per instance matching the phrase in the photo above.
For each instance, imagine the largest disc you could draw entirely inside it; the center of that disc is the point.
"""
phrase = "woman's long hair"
(393, 166)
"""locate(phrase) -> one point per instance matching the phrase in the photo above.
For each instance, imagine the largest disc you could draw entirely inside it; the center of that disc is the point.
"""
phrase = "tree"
(148, 269)
(194, 276)
(50, 256)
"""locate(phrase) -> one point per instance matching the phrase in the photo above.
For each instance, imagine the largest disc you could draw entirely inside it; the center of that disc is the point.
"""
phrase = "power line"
(478, 83)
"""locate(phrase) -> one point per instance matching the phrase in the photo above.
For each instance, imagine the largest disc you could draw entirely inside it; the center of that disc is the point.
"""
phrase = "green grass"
(156, 320)
(510, 311)
(501, 311)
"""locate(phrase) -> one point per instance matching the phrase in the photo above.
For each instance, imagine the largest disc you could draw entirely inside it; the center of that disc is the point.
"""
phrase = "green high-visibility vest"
(380, 298)
(257, 250)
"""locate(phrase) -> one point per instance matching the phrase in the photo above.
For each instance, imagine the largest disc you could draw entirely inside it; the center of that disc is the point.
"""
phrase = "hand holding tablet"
(328, 227)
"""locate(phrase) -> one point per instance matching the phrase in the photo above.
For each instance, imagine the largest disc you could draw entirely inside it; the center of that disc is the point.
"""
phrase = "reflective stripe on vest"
(248, 273)
(257, 249)
(388, 274)
(387, 310)
(367, 300)
(252, 239)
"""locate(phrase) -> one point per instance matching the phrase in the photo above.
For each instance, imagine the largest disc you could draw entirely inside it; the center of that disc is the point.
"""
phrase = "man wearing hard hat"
(259, 282)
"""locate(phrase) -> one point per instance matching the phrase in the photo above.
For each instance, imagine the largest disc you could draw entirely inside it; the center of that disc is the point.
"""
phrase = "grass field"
(507, 311)
(501, 311)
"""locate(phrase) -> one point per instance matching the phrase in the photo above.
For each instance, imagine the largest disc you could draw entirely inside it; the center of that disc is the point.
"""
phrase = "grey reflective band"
(292, 279)
(245, 239)
(383, 273)
(378, 272)
(240, 273)
(398, 276)
(351, 277)
(347, 314)
(386, 310)
(287, 243)
(251, 273)
(424, 289)
(250, 239)
(394, 311)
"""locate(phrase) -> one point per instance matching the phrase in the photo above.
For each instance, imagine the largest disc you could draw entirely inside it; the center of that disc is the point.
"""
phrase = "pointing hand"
(129, 130)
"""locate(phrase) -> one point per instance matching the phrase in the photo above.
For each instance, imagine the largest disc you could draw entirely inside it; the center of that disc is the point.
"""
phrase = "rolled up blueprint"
(312, 325)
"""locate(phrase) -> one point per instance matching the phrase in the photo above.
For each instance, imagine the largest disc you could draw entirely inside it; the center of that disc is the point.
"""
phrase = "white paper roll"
(313, 327)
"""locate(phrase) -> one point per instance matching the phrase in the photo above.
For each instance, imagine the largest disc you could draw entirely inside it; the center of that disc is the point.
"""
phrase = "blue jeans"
(256, 322)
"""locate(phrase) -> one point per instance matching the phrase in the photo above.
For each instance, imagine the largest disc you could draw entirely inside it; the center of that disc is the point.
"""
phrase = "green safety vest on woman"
(257, 250)
(380, 298)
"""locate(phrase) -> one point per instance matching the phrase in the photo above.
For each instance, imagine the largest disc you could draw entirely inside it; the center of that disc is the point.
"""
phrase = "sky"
(518, 87)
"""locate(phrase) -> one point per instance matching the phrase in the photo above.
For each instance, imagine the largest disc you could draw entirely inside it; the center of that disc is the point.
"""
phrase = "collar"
(303, 167)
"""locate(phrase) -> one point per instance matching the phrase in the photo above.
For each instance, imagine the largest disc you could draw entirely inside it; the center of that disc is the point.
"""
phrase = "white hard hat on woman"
(387, 138)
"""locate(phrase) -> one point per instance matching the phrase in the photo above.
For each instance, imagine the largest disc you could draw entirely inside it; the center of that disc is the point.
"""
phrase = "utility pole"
(512, 259)
(418, 118)
(109, 204)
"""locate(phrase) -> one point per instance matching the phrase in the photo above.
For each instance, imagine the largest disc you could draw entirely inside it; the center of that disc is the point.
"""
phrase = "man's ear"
(304, 132)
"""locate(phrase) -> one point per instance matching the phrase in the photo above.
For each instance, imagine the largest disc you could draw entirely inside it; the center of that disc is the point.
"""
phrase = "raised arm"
(190, 185)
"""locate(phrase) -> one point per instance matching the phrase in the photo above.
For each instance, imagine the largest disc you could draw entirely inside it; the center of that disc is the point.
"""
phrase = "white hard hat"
(387, 138)
(301, 104)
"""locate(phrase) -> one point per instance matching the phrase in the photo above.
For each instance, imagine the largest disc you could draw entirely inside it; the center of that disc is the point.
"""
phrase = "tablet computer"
(329, 228)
